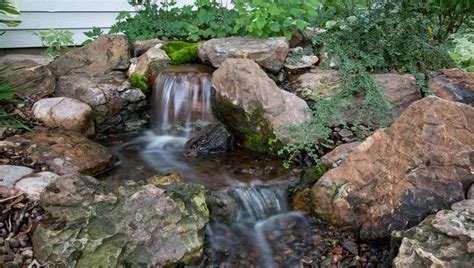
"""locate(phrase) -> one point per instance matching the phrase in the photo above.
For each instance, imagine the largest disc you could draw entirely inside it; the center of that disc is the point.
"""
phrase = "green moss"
(181, 52)
(140, 81)
(312, 174)
(251, 129)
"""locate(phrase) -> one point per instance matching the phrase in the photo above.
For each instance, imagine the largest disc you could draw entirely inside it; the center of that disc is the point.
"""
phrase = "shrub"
(166, 21)
(92, 35)
(139, 81)
(463, 50)
(55, 40)
(181, 52)
(265, 18)
(10, 9)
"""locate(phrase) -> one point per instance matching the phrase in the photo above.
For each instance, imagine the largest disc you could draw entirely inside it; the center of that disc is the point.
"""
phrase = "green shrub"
(181, 52)
(265, 18)
(92, 35)
(10, 9)
(55, 41)
(463, 50)
(140, 81)
(166, 21)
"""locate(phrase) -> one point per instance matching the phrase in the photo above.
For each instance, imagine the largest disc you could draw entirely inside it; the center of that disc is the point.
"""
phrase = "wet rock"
(251, 105)
(159, 180)
(213, 138)
(10, 174)
(269, 53)
(140, 47)
(453, 85)
(38, 59)
(63, 152)
(154, 56)
(110, 96)
(442, 240)
(470, 192)
(339, 154)
(91, 225)
(396, 177)
(34, 184)
(399, 90)
(300, 58)
(105, 54)
(66, 113)
(35, 80)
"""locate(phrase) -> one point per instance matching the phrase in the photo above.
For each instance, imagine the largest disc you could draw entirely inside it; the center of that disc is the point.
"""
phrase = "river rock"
(445, 239)
(269, 53)
(453, 85)
(251, 105)
(38, 59)
(66, 113)
(35, 80)
(213, 138)
(339, 154)
(62, 152)
(154, 55)
(10, 174)
(142, 46)
(399, 175)
(113, 101)
(34, 184)
(103, 55)
(92, 225)
(399, 90)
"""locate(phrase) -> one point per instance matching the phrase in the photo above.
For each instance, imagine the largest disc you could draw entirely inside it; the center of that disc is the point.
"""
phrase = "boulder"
(66, 113)
(251, 105)
(142, 46)
(399, 175)
(34, 184)
(113, 101)
(105, 54)
(445, 239)
(213, 138)
(453, 85)
(399, 90)
(38, 59)
(92, 225)
(35, 80)
(142, 64)
(62, 152)
(269, 53)
(339, 154)
(10, 174)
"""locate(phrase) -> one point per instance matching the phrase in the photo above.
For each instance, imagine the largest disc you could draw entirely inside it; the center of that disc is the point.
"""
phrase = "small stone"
(351, 247)
(345, 133)
(27, 253)
(14, 243)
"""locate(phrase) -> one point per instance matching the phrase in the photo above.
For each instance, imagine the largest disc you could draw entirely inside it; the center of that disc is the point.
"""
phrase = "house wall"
(77, 16)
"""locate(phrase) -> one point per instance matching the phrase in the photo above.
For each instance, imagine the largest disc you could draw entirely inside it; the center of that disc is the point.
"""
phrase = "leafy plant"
(463, 50)
(55, 40)
(181, 52)
(265, 18)
(10, 9)
(7, 93)
(139, 81)
(92, 35)
(166, 21)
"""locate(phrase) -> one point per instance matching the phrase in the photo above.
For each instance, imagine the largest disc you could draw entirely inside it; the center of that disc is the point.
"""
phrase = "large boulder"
(66, 113)
(35, 80)
(91, 225)
(445, 239)
(62, 152)
(399, 175)
(116, 105)
(399, 90)
(269, 53)
(453, 85)
(251, 105)
(105, 54)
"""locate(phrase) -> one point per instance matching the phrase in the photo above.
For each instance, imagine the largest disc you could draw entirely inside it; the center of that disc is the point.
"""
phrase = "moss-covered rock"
(140, 81)
(181, 52)
(91, 225)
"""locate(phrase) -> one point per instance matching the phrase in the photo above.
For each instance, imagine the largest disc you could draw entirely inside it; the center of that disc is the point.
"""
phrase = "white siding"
(77, 16)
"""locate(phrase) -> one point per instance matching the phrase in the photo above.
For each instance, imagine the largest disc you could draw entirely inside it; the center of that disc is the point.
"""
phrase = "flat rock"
(66, 113)
(38, 59)
(34, 184)
(105, 54)
(154, 55)
(445, 239)
(251, 105)
(142, 46)
(269, 53)
(10, 174)
(399, 175)
(453, 85)
(35, 80)
(92, 225)
(63, 152)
